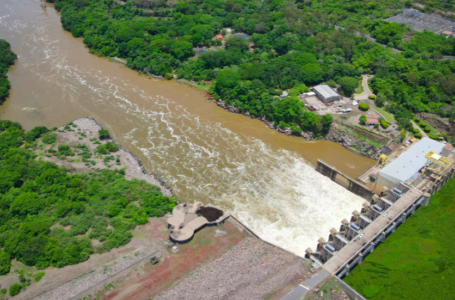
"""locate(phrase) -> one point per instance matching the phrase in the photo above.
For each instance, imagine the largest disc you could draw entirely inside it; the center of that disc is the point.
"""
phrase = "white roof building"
(409, 163)
(325, 93)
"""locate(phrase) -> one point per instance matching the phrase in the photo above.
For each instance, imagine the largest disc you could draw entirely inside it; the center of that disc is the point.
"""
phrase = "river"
(265, 178)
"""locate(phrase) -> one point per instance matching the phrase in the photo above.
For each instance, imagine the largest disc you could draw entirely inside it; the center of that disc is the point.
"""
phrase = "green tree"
(182, 49)
(236, 43)
(27, 203)
(226, 80)
(348, 85)
(311, 73)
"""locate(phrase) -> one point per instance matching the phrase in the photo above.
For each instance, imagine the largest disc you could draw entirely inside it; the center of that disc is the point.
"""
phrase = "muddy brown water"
(267, 179)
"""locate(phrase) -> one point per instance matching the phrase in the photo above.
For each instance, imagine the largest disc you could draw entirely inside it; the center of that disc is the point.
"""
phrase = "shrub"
(427, 128)
(376, 126)
(15, 289)
(418, 135)
(383, 123)
(39, 276)
(3, 291)
(106, 148)
(103, 134)
(65, 150)
(112, 147)
(371, 97)
(364, 106)
(49, 138)
(363, 119)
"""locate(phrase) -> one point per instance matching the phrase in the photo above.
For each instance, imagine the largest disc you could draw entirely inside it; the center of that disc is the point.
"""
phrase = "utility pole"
(43, 3)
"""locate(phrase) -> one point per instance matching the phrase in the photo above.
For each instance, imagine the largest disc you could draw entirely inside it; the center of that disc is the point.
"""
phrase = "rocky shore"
(353, 143)
(337, 135)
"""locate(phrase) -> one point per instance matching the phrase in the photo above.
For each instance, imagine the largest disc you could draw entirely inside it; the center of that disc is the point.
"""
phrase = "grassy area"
(417, 261)
(387, 116)
(374, 143)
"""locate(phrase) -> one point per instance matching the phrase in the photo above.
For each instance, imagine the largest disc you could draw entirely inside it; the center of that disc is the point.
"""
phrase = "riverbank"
(338, 133)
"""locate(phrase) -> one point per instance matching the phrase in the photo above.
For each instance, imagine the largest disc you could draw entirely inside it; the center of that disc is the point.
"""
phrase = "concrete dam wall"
(344, 180)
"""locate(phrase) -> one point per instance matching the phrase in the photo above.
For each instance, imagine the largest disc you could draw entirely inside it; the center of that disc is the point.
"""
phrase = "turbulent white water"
(275, 192)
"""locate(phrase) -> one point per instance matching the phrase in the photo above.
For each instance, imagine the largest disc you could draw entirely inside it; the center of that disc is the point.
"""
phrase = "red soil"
(203, 248)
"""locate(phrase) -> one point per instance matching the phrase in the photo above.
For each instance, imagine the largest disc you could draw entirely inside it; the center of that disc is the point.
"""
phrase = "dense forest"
(288, 45)
(49, 217)
(7, 58)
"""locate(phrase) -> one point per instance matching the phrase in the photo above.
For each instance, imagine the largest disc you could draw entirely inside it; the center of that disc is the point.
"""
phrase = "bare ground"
(250, 270)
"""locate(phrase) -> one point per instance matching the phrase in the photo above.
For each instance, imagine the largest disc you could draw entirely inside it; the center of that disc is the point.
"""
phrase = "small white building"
(325, 93)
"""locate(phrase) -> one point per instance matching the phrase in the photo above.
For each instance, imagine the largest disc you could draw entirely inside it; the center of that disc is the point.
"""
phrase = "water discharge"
(203, 153)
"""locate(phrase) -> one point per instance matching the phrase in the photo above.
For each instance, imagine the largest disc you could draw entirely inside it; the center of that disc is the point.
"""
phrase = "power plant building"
(325, 93)
(407, 165)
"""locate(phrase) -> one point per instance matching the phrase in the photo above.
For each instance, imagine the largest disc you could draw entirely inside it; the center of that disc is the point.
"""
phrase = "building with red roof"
(372, 121)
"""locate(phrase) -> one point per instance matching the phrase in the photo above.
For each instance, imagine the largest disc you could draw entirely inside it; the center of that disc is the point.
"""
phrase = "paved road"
(296, 294)
(366, 89)
(312, 282)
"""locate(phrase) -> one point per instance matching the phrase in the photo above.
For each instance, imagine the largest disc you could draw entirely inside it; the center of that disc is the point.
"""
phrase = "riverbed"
(204, 153)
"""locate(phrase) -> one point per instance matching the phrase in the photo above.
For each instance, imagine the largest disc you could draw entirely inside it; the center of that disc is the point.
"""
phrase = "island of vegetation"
(7, 58)
(69, 192)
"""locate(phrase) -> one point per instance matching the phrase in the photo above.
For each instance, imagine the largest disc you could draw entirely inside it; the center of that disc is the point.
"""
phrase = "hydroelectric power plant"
(393, 189)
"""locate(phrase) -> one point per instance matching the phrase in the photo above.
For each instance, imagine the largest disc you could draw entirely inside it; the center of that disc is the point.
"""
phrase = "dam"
(428, 166)
(393, 190)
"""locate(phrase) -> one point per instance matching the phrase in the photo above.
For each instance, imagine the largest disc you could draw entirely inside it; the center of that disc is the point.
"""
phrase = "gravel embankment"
(252, 269)
(78, 285)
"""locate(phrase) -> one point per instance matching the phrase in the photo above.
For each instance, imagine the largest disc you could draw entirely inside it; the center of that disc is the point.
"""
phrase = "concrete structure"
(185, 221)
(353, 253)
(344, 180)
(447, 150)
(407, 165)
(425, 172)
(379, 218)
(325, 93)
